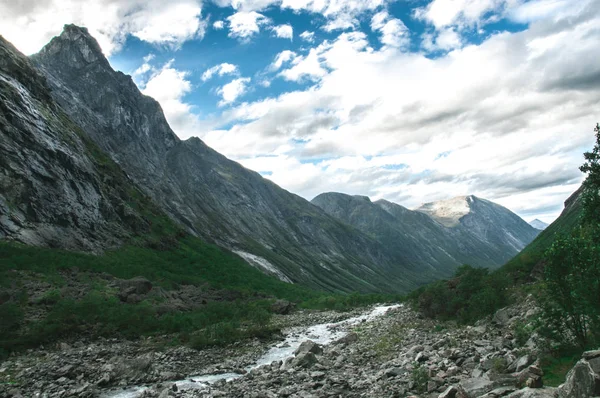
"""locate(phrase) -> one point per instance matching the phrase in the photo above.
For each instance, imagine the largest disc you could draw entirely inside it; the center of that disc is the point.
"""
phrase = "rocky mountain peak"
(449, 212)
(75, 47)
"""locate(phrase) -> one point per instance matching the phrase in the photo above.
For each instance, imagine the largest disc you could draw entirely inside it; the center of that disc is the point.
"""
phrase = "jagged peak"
(78, 47)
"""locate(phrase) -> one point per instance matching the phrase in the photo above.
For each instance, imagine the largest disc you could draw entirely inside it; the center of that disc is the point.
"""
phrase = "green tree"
(571, 303)
(591, 186)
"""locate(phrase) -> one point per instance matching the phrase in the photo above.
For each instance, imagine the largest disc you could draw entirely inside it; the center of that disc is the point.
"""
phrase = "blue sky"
(407, 100)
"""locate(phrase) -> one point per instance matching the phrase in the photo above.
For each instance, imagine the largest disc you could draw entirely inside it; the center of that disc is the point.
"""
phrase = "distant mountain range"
(87, 162)
(538, 224)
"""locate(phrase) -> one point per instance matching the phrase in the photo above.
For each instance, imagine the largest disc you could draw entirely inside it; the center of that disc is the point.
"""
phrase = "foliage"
(471, 295)
(591, 186)
(571, 299)
(419, 376)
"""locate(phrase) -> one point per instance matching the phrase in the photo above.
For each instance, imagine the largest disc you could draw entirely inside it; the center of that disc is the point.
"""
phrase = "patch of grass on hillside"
(192, 262)
(348, 302)
(556, 368)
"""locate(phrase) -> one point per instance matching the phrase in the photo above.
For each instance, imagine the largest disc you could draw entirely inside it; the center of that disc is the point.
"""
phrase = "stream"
(322, 334)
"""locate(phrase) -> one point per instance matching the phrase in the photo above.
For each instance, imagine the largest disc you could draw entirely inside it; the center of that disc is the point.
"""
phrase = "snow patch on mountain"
(263, 265)
(448, 212)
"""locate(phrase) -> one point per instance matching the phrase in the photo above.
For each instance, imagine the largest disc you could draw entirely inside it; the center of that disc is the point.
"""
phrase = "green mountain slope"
(530, 259)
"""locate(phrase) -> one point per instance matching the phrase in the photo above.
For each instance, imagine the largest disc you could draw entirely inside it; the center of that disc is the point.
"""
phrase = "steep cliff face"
(439, 236)
(56, 187)
(211, 196)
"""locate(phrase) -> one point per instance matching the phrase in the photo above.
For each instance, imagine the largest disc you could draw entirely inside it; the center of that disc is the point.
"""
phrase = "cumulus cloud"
(221, 70)
(308, 36)
(463, 13)
(506, 119)
(243, 24)
(283, 31)
(338, 14)
(218, 25)
(393, 31)
(282, 58)
(169, 86)
(31, 24)
(233, 90)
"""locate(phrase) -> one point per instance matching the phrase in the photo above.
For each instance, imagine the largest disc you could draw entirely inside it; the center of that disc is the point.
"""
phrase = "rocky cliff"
(57, 188)
(211, 196)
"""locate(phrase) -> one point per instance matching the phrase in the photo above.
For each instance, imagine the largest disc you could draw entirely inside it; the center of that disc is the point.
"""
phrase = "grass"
(556, 368)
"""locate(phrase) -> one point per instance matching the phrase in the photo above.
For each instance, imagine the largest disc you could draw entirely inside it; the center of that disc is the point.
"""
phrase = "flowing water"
(322, 334)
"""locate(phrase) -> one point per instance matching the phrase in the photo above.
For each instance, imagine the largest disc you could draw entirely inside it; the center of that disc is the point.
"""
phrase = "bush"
(471, 295)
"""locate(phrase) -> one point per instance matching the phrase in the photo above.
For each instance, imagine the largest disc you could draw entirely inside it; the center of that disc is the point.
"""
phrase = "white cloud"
(29, 25)
(308, 36)
(283, 57)
(445, 39)
(221, 70)
(506, 120)
(283, 31)
(218, 25)
(339, 14)
(463, 13)
(244, 25)
(169, 86)
(233, 90)
(393, 31)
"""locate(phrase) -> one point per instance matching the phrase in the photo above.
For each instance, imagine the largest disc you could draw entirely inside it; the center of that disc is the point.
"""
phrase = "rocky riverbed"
(396, 354)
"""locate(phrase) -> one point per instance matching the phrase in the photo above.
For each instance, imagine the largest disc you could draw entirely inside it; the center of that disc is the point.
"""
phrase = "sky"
(407, 100)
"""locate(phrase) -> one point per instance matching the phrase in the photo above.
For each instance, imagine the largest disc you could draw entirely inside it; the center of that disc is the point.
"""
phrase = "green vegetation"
(419, 376)
(471, 295)
(571, 289)
(189, 261)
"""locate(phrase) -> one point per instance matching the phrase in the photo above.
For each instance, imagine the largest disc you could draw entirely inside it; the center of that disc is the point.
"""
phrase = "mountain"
(538, 224)
(483, 223)
(439, 236)
(209, 195)
(531, 258)
(57, 188)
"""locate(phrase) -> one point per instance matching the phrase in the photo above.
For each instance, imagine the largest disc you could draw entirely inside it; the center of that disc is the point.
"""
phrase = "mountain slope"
(440, 236)
(532, 256)
(211, 196)
(57, 188)
(493, 230)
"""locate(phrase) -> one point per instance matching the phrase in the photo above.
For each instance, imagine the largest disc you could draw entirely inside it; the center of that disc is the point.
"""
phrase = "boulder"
(475, 387)
(137, 285)
(305, 360)
(309, 346)
(282, 307)
(581, 382)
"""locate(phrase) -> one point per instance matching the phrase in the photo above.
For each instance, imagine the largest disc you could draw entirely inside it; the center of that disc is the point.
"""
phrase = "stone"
(347, 339)
(591, 355)
(449, 392)
(305, 360)
(581, 382)
(475, 387)
(282, 307)
(421, 357)
(534, 393)
(309, 346)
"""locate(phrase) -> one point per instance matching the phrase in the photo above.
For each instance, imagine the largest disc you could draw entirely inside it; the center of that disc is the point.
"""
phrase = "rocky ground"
(397, 355)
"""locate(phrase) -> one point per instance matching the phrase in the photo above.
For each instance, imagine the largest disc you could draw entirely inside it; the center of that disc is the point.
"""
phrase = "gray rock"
(450, 392)
(581, 382)
(475, 387)
(305, 360)
(309, 346)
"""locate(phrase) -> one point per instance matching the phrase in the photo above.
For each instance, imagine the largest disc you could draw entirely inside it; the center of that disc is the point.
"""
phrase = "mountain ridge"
(464, 231)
